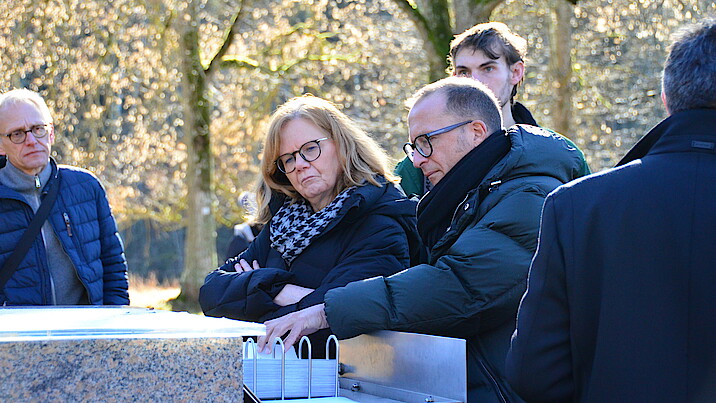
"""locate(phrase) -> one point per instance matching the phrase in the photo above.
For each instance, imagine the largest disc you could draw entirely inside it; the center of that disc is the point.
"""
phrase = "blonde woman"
(332, 215)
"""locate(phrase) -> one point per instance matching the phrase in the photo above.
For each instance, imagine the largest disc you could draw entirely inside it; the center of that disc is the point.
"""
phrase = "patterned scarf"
(295, 225)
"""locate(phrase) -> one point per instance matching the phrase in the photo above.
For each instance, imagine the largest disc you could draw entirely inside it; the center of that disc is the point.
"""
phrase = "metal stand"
(384, 367)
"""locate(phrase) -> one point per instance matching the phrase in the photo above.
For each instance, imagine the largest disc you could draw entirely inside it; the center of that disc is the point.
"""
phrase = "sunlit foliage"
(111, 72)
(114, 98)
(619, 51)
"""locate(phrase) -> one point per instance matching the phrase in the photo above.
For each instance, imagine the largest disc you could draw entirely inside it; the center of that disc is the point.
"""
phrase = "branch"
(248, 63)
(436, 37)
(226, 43)
(243, 62)
(350, 58)
(411, 9)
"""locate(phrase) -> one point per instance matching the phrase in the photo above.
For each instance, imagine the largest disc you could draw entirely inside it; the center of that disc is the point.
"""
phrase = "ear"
(517, 71)
(666, 106)
(479, 132)
(52, 133)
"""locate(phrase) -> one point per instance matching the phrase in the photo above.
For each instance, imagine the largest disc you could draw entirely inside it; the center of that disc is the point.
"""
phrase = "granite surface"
(118, 370)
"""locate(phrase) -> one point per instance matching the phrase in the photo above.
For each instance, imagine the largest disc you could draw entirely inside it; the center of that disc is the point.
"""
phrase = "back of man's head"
(22, 95)
(492, 38)
(464, 98)
(689, 80)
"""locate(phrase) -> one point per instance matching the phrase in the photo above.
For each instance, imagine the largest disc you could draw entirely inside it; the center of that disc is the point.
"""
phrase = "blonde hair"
(360, 157)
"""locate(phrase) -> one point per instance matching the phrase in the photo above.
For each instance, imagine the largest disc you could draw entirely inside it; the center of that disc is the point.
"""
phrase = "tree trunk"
(200, 243)
(432, 20)
(560, 64)
(472, 12)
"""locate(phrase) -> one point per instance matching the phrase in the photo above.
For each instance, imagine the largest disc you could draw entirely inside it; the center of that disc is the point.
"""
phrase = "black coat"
(374, 235)
(620, 305)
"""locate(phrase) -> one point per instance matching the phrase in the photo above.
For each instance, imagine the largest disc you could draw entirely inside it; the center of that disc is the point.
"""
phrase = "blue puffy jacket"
(83, 222)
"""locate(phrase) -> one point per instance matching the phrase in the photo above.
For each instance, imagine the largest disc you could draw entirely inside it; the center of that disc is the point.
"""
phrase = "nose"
(301, 163)
(30, 138)
(418, 159)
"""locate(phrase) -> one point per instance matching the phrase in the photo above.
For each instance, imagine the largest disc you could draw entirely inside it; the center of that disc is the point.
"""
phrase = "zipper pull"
(494, 185)
(37, 182)
(67, 223)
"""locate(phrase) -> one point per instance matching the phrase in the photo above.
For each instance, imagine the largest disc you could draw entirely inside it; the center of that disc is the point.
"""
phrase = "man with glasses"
(493, 55)
(77, 257)
(480, 224)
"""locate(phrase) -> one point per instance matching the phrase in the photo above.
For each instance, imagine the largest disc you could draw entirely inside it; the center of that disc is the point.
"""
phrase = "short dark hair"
(464, 98)
(492, 38)
(689, 80)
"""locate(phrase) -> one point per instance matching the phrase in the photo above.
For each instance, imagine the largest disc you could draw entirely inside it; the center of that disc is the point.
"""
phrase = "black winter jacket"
(374, 235)
(621, 305)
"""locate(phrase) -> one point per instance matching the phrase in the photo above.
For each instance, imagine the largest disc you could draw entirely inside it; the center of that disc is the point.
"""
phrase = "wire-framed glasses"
(422, 143)
(309, 151)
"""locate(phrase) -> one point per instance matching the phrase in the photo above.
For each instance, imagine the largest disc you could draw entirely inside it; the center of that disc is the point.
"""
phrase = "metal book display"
(383, 367)
(289, 378)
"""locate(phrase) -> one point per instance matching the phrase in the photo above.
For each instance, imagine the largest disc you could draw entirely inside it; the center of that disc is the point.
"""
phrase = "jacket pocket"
(73, 233)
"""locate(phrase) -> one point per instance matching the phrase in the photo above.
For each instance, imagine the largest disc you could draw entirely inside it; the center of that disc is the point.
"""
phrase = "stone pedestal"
(206, 369)
(119, 355)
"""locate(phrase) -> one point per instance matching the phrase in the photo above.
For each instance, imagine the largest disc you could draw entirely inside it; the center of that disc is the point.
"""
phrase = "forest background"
(167, 100)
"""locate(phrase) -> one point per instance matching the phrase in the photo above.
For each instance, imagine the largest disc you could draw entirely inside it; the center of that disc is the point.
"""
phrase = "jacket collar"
(6, 192)
(522, 115)
(683, 131)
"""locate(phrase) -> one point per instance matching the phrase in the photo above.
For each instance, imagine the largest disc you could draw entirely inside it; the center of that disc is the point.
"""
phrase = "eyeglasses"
(422, 144)
(309, 151)
(19, 136)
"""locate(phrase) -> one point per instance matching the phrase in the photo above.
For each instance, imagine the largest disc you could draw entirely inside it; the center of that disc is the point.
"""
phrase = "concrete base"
(116, 370)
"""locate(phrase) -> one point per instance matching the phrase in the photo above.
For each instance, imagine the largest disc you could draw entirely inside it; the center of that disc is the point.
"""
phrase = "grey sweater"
(65, 285)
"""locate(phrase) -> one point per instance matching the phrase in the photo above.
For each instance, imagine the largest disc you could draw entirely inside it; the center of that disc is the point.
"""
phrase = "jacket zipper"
(492, 379)
(67, 223)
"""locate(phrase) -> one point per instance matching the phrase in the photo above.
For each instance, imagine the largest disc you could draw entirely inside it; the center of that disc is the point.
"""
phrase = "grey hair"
(464, 98)
(689, 80)
(23, 95)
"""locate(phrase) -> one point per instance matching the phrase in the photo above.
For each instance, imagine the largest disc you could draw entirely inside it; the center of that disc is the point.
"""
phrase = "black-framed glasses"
(19, 136)
(309, 151)
(422, 144)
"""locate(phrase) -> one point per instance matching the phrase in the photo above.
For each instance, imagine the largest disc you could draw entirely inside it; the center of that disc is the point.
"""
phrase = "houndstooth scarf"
(295, 224)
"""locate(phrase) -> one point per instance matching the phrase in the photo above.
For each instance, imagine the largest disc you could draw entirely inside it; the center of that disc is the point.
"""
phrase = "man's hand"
(296, 324)
(291, 294)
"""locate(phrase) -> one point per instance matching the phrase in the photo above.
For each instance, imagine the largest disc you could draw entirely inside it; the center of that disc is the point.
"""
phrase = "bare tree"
(200, 245)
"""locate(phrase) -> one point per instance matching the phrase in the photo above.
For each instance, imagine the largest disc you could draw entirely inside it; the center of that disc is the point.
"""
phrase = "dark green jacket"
(476, 274)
